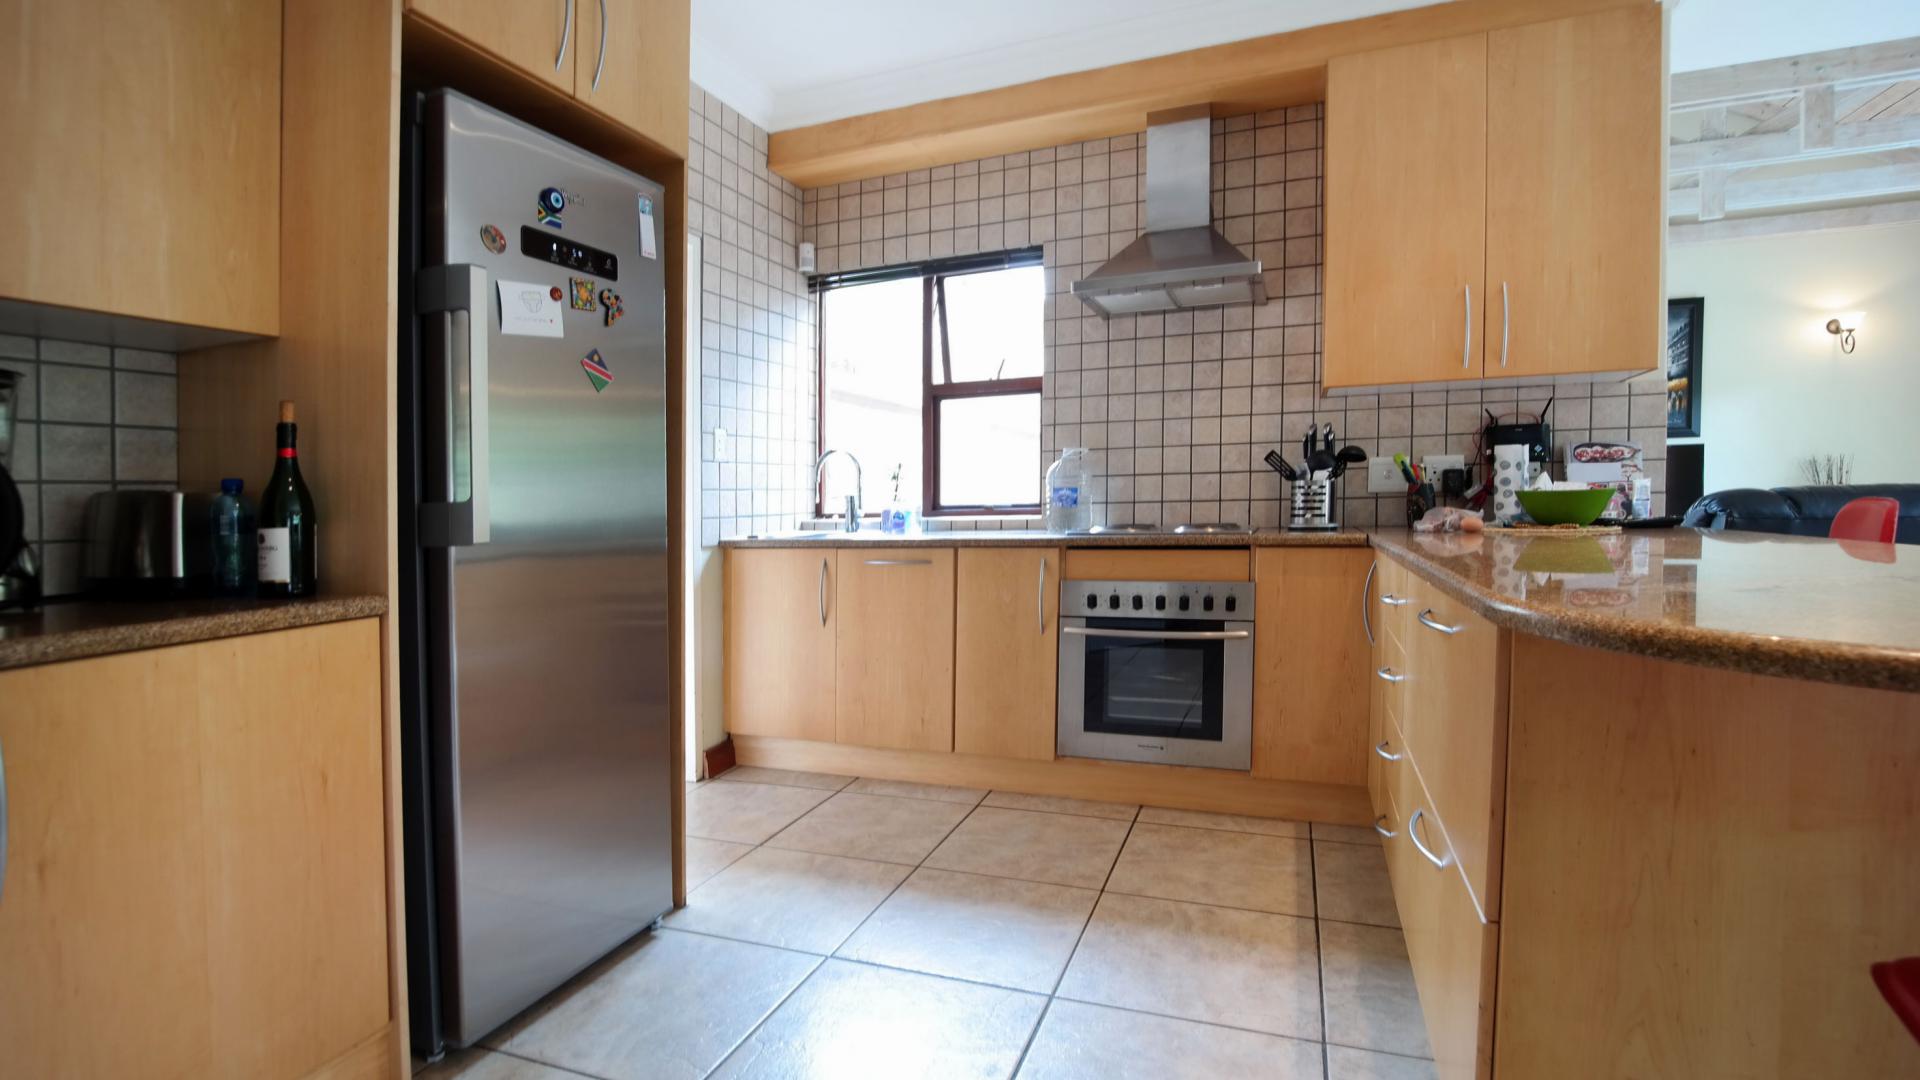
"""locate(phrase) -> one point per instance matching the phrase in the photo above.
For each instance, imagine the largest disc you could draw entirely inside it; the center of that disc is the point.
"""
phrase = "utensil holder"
(1315, 506)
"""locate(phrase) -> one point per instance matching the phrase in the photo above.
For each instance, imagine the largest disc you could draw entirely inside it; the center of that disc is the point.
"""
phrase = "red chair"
(1899, 983)
(1875, 518)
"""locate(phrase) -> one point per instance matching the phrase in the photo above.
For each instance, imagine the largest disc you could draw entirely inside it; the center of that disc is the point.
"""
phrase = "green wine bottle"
(286, 522)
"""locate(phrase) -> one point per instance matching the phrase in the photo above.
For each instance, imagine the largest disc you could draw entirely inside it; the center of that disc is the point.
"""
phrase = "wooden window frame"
(933, 318)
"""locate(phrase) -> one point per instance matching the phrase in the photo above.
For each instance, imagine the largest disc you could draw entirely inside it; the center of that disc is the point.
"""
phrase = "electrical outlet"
(1435, 464)
(722, 445)
(1383, 477)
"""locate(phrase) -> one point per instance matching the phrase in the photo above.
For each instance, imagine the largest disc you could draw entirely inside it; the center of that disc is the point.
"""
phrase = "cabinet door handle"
(3, 822)
(1385, 833)
(1466, 349)
(1393, 601)
(1413, 834)
(1386, 675)
(1366, 612)
(899, 562)
(1506, 324)
(1386, 754)
(566, 33)
(600, 63)
(1040, 598)
(1427, 620)
(823, 592)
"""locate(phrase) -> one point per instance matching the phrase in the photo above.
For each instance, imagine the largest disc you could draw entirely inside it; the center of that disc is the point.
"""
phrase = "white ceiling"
(787, 64)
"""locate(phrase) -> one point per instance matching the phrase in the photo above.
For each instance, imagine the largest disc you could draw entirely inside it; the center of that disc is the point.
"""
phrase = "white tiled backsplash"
(92, 418)
(1179, 409)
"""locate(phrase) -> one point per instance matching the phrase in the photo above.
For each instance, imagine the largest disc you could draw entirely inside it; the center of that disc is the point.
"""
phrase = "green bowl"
(1566, 507)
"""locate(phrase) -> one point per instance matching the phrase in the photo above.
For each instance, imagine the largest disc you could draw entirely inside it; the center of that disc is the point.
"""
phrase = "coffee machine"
(19, 573)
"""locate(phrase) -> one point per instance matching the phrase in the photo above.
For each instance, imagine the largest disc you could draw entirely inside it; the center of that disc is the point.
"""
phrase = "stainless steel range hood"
(1180, 261)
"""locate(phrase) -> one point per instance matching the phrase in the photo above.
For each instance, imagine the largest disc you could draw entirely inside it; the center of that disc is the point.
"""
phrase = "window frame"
(933, 318)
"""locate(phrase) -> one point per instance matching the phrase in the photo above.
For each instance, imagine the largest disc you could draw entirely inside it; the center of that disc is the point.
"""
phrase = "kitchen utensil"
(1347, 455)
(1280, 465)
(1327, 439)
(1579, 507)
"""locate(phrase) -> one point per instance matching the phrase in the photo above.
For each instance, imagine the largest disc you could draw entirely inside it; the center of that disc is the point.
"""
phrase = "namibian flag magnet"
(598, 373)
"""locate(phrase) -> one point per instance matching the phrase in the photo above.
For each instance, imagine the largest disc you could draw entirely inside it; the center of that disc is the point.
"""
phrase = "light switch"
(1383, 477)
(722, 445)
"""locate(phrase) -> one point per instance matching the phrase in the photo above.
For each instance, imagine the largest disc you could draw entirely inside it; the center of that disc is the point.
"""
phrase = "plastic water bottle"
(233, 539)
(1069, 492)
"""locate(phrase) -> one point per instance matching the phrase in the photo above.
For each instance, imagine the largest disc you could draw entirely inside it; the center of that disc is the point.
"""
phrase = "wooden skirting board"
(1173, 786)
(1238, 77)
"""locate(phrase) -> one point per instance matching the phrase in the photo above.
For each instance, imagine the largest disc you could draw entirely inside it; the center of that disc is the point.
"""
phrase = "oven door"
(1173, 692)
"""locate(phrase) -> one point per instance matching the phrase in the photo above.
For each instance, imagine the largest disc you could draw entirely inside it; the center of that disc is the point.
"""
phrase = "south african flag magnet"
(598, 373)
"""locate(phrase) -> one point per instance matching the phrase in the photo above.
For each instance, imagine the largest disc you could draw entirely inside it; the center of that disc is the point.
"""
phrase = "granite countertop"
(74, 629)
(1799, 607)
(1039, 538)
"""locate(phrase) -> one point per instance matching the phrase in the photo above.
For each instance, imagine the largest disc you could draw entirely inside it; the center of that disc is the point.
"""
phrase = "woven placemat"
(1556, 530)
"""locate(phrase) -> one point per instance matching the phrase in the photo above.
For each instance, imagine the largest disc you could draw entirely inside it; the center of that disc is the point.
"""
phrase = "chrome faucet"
(853, 500)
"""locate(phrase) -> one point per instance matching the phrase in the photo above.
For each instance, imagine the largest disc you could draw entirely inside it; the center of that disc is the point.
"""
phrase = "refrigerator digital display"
(558, 250)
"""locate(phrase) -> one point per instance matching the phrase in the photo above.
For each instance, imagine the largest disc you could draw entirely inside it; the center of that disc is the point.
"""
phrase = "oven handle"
(1162, 635)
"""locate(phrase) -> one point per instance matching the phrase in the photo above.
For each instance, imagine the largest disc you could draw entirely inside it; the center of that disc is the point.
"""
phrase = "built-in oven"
(1157, 671)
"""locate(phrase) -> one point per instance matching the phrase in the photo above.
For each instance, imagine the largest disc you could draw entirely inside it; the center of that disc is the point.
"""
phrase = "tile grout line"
(1319, 954)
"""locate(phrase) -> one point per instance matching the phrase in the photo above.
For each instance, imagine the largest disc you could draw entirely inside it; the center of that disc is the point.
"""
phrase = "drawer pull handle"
(1393, 601)
(823, 592)
(1413, 834)
(1427, 620)
(899, 562)
(1385, 833)
(1386, 675)
(1386, 754)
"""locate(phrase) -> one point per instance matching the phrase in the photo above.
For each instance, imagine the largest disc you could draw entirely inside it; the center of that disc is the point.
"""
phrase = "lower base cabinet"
(1006, 652)
(195, 883)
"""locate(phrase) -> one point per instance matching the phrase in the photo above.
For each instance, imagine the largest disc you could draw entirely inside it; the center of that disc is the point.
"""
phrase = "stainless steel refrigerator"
(533, 462)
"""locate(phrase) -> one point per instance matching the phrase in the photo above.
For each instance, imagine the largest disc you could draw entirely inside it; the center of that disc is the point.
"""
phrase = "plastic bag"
(1449, 519)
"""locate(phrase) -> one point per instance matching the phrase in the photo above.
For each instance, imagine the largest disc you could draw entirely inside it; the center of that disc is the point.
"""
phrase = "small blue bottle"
(233, 540)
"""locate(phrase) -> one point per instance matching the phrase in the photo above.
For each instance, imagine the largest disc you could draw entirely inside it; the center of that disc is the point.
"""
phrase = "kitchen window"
(930, 374)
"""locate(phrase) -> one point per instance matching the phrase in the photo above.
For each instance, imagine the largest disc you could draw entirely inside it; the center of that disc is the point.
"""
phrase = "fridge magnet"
(610, 303)
(552, 202)
(493, 238)
(529, 309)
(555, 294)
(1686, 319)
(647, 250)
(598, 373)
(582, 295)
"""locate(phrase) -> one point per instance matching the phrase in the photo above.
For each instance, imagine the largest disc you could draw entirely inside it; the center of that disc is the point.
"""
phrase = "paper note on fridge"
(529, 308)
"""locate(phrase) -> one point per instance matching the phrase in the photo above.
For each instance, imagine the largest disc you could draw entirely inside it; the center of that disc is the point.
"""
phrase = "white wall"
(1775, 385)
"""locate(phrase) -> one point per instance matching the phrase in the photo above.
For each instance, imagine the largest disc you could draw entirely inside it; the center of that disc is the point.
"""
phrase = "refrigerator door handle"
(459, 292)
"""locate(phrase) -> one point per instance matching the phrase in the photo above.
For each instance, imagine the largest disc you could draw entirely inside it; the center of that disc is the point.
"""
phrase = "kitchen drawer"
(1453, 717)
(1450, 947)
(1386, 761)
(1132, 564)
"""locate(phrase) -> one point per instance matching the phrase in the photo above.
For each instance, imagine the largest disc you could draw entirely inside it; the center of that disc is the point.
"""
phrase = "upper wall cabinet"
(627, 59)
(142, 159)
(1493, 205)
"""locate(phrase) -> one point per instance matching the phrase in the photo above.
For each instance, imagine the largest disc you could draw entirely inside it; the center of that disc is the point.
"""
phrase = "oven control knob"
(1185, 602)
(1206, 604)
(1231, 603)
(1138, 603)
(1159, 603)
(1092, 602)
(1114, 601)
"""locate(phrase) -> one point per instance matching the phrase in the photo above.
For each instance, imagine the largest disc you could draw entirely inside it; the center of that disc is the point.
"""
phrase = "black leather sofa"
(1799, 511)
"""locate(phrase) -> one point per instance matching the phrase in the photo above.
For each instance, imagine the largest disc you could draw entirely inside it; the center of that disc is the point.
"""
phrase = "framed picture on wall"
(1685, 319)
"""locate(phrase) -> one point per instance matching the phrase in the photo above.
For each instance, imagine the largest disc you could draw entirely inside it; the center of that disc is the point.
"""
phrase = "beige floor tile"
(1245, 969)
(746, 813)
(1207, 866)
(706, 858)
(1346, 834)
(793, 899)
(1352, 884)
(1347, 1063)
(854, 1022)
(1054, 804)
(669, 1009)
(872, 827)
(1077, 1041)
(477, 1064)
(1370, 998)
(753, 774)
(1194, 819)
(1060, 849)
(906, 789)
(1010, 933)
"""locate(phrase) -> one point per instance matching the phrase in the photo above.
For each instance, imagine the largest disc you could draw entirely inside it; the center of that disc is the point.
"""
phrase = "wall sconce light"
(1844, 326)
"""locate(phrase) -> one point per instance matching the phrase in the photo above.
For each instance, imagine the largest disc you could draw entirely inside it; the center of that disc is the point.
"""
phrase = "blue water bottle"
(233, 540)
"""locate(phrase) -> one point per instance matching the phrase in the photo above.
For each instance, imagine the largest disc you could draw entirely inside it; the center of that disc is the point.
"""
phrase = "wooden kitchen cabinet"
(1406, 188)
(142, 159)
(1531, 244)
(1006, 651)
(893, 648)
(540, 37)
(197, 858)
(1575, 184)
(1310, 684)
(640, 79)
(780, 627)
